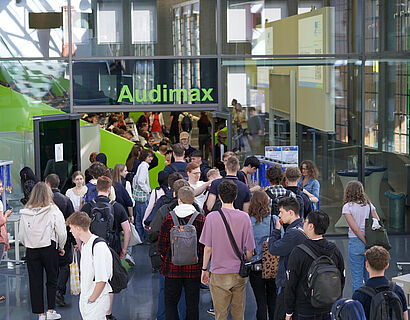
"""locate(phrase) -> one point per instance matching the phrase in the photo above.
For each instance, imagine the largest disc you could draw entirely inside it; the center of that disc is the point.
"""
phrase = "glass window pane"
(33, 28)
(141, 82)
(309, 103)
(272, 28)
(38, 84)
(144, 28)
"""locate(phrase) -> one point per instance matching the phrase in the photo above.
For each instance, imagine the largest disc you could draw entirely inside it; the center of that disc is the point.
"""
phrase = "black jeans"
(63, 275)
(322, 316)
(38, 260)
(172, 293)
(265, 295)
(280, 312)
(204, 140)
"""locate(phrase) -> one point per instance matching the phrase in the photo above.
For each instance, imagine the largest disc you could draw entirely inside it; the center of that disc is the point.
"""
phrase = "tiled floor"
(139, 301)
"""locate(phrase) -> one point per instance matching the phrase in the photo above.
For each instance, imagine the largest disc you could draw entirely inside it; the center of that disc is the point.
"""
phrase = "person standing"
(220, 150)
(142, 190)
(282, 246)
(66, 207)
(96, 269)
(298, 305)
(43, 233)
(255, 131)
(173, 126)
(309, 181)
(356, 209)
(377, 262)
(177, 277)
(204, 135)
(228, 288)
(4, 239)
(28, 181)
(77, 193)
(184, 141)
(194, 172)
(263, 289)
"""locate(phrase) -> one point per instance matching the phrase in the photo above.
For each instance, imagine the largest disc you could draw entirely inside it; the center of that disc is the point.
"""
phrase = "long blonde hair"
(354, 192)
(41, 196)
(116, 176)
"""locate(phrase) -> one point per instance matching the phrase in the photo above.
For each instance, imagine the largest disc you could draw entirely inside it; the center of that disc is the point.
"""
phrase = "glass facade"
(329, 76)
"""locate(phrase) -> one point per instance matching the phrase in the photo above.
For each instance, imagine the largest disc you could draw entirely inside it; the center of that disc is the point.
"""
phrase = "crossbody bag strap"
(230, 235)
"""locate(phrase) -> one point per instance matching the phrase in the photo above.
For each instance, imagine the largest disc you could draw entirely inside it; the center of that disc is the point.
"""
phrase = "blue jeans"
(357, 263)
(139, 212)
(161, 301)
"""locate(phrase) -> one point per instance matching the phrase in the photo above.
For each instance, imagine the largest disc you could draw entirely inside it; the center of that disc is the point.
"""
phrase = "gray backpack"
(184, 241)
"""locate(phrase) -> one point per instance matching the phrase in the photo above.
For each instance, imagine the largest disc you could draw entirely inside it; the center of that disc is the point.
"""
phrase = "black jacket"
(122, 196)
(296, 299)
(66, 207)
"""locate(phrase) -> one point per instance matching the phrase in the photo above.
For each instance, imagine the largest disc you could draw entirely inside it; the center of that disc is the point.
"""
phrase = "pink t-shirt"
(214, 235)
(360, 214)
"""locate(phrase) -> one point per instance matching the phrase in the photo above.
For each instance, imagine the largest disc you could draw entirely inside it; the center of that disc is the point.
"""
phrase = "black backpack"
(175, 168)
(119, 279)
(102, 220)
(275, 200)
(386, 304)
(324, 280)
(299, 198)
(186, 124)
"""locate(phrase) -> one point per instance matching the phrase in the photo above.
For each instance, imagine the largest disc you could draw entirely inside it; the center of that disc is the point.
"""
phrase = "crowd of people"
(207, 228)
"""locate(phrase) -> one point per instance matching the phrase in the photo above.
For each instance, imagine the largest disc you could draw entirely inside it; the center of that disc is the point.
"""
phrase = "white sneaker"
(42, 317)
(53, 315)
(129, 260)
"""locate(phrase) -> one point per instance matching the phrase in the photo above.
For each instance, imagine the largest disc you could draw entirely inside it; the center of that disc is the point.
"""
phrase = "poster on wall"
(286, 154)
(310, 41)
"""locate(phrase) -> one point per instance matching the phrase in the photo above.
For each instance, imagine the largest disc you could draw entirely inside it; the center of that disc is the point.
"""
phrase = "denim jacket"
(313, 186)
(261, 233)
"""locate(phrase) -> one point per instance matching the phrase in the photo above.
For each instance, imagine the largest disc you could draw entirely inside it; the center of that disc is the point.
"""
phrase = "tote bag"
(269, 261)
(74, 276)
(377, 237)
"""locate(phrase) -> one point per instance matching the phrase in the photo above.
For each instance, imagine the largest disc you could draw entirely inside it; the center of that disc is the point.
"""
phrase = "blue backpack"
(92, 192)
(348, 309)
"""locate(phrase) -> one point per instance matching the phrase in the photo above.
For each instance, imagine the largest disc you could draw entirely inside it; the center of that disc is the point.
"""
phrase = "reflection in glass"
(37, 81)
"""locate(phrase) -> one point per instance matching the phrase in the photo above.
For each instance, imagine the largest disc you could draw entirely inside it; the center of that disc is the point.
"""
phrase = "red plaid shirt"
(168, 269)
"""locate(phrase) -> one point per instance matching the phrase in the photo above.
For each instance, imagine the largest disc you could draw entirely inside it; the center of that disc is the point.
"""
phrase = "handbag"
(139, 194)
(74, 276)
(377, 237)
(244, 268)
(269, 262)
(135, 237)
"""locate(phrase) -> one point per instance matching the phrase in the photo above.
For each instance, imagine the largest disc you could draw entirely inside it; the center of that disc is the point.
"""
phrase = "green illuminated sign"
(162, 94)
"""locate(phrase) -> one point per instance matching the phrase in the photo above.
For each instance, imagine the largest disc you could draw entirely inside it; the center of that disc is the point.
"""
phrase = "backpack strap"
(174, 218)
(307, 250)
(371, 292)
(193, 217)
(96, 240)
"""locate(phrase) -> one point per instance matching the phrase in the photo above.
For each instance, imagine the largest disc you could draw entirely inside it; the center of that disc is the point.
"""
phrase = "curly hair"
(259, 207)
(311, 168)
(354, 192)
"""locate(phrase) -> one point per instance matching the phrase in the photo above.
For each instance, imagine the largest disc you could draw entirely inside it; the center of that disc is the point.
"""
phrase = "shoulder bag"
(375, 237)
(244, 268)
(269, 261)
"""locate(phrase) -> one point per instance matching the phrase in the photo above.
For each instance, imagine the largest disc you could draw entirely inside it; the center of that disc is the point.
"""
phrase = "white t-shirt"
(360, 213)
(94, 269)
(200, 199)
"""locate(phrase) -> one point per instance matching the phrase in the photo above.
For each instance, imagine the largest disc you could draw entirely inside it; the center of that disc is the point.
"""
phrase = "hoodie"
(296, 299)
(38, 226)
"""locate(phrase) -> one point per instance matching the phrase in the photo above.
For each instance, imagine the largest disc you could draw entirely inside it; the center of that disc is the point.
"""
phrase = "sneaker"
(42, 317)
(110, 317)
(53, 315)
(129, 260)
(211, 311)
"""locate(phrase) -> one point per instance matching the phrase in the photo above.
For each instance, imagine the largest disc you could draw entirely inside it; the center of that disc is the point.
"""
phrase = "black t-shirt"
(120, 216)
(243, 191)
